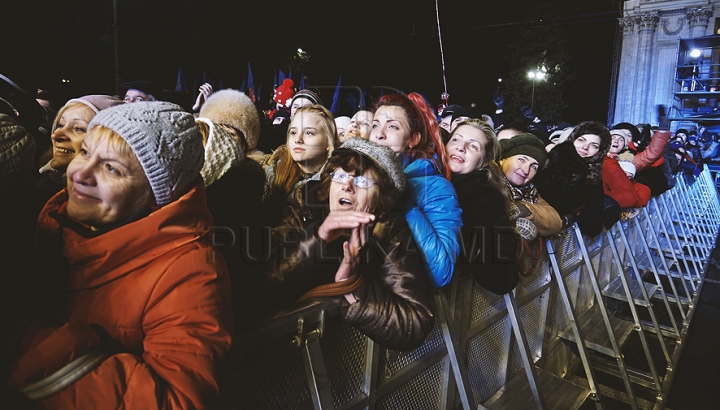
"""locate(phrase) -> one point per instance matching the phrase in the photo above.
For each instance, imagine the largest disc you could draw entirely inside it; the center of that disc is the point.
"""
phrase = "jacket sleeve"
(617, 185)
(545, 217)
(392, 305)
(187, 327)
(654, 150)
(435, 223)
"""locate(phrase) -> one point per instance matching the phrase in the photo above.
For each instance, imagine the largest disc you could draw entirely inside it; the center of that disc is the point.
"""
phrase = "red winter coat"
(628, 193)
(654, 151)
(159, 309)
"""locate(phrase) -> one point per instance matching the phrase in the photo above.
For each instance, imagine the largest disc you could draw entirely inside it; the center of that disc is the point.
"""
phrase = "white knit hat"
(628, 167)
(166, 141)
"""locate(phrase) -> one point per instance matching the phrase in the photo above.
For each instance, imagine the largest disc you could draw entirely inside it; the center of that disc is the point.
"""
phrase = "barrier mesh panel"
(531, 316)
(484, 304)
(420, 392)
(486, 357)
(274, 378)
(398, 360)
(344, 351)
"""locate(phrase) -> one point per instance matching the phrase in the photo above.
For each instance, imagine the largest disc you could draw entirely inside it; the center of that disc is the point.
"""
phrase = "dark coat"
(393, 301)
(489, 239)
(563, 183)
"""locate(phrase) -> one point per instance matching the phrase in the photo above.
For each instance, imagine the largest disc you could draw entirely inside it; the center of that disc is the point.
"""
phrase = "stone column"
(646, 24)
(698, 19)
(627, 71)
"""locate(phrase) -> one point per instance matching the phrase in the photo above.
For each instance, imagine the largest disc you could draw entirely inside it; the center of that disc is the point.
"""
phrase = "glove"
(663, 122)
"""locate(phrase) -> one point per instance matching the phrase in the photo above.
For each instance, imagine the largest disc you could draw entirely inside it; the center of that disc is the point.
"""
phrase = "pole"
(117, 58)
(532, 99)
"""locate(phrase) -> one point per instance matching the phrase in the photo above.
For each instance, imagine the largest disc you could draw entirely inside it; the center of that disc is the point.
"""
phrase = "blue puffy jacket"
(434, 217)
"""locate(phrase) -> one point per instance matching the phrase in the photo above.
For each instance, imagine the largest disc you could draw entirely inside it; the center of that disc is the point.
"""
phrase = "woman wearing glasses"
(342, 239)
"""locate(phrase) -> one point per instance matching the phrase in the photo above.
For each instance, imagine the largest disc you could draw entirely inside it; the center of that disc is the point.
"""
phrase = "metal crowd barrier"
(627, 295)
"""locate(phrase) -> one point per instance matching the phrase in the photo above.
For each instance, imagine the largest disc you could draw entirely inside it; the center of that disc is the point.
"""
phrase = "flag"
(180, 82)
(302, 81)
(281, 77)
(195, 88)
(250, 84)
(257, 94)
(244, 84)
(335, 107)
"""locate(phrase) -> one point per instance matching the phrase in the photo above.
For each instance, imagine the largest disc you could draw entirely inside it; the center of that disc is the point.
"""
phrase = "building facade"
(650, 53)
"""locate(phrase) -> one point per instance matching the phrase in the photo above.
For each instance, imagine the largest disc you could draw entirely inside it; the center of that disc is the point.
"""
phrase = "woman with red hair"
(408, 126)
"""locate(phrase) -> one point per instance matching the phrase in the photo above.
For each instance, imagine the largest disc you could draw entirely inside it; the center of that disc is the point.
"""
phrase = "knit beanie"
(234, 108)
(307, 94)
(166, 141)
(342, 122)
(628, 167)
(385, 159)
(524, 144)
(466, 111)
(627, 137)
(17, 147)
(222, 153)
(97, 102)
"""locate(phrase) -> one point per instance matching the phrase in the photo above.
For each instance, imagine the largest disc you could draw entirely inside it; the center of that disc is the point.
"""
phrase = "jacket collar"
(97, 259)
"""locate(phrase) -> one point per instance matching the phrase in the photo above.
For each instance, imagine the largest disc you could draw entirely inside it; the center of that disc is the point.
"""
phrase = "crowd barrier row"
(626, 296)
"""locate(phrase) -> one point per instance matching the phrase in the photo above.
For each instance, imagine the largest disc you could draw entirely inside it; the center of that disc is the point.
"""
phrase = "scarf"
(527, 193)
(222, 153)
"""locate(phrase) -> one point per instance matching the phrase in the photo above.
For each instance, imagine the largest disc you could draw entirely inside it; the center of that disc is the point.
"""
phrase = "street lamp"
(535, 76)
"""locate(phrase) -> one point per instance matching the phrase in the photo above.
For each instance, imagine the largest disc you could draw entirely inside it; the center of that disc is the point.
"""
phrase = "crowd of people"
(142, 237)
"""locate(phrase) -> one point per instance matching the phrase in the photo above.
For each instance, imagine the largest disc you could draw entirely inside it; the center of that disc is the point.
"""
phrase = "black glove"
(663, 122)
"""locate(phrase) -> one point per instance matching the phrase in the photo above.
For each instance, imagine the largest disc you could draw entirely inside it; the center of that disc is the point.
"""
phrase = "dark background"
(368, 42)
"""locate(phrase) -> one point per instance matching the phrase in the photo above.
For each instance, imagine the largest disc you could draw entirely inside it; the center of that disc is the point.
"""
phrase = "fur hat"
(234, 108)
(382, 156)
(17, 147)
(97, 102)
(166, 141)
(307, 94)
(524, 144)
(628, 167)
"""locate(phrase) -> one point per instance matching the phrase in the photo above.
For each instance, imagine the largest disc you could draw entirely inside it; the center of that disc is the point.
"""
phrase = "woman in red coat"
(617, 183)
(146, 317)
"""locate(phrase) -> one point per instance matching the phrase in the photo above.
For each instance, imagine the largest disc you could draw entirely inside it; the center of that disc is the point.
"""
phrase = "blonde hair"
(491, 159)
(66, 107)
(287, 171)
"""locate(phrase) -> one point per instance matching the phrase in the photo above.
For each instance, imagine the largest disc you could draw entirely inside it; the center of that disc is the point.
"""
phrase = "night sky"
(368, 42)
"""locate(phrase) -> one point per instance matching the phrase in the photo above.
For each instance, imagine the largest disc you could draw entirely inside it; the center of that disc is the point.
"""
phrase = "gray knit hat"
(97, 102)
(385, 159)
(524, 144)
(166, 141)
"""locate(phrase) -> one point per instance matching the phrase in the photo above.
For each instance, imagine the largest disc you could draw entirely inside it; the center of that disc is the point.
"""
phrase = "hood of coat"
(417, 168)
(97, 260)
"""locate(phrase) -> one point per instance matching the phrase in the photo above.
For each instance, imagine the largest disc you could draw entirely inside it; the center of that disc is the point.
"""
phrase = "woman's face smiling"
(68, 136)
(348, 197)
(587, 145)
(307, 142)
(466, 149)
(105, 187)
(391, 128)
